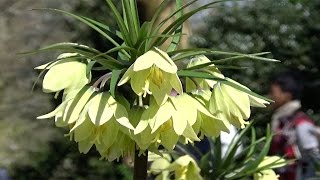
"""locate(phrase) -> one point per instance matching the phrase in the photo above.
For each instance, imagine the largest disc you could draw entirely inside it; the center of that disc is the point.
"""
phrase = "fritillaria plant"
(144, 101)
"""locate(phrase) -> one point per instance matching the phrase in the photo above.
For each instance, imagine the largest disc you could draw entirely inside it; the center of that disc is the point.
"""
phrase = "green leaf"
(252, 166)
(67, 47)
(130, 18)
(179, 10)
(121, 49)
(232, 149)
(88, 52)
(231, 67)
(196, 74)
(121, 23)
(203, 75)
(156, 16)
(107, 33)
(114, 79)
(135, 15)
(186, 53)
(223, 60)
(104, 26)
(177, 23)
(217, 149)
(252, 144)
(176, 40)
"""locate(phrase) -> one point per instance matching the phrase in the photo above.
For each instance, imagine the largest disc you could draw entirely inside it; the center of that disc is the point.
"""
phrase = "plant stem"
(140, 166)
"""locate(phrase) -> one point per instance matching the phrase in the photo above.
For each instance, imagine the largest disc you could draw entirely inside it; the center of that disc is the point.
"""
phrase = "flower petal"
(237, 98)
(176, 83)
(163, 115)
(138, 81)
(169, 139)
(84, 130)
(65, 74)
(121, 116)
(127, 75)
(100, 111)
(109, 133)
(72, 111)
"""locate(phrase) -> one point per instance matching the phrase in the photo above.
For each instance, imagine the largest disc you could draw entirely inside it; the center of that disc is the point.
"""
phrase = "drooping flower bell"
(66, 73)
(183, 168)
(172, 120)
(269, 162)
(96, 119)
(210, 126)
(204, 84)
(227, 103)
(233, 105)
(153, 73)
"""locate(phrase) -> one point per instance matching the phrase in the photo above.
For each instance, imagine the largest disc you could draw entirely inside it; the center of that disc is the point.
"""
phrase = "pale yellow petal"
(164, 113)
(84, 130)
(100, 111)
(238, 98)
(160, 94)
(127, 75)
(73, 111)
(176, 83)
(109, 134)
(190, 133)
(121, 116)
(138, 81)
(169, 139)
(85, 146)
(65, 74)
(155, 57)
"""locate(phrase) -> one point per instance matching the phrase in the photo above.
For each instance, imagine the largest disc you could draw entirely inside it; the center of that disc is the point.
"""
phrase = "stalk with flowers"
(150, 96)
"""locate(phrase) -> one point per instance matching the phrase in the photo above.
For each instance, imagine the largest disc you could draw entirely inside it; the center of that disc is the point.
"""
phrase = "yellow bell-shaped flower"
(108, 138)
(65, 74)
(270, 162)
(184, 168)
(204, 84)
(153, 73)
(95, 119)
(144, 138)
(266, 175)
(210, 126)
(73, 104)
(172, 120)
(233, 105)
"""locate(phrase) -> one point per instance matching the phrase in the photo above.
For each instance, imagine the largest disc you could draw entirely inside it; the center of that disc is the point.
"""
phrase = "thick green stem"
(140, 166)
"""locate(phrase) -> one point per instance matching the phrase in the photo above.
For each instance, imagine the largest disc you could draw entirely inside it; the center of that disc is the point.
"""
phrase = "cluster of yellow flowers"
(163, 113)
(186, 168)
(183, 167)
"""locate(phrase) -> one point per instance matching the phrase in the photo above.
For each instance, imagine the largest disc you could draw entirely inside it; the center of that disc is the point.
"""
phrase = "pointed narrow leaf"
(114, 79)
(120, 22)
(196, 74)
(91, 23)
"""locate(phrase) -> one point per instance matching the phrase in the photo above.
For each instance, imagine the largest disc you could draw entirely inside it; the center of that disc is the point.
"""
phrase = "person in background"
(294, 132)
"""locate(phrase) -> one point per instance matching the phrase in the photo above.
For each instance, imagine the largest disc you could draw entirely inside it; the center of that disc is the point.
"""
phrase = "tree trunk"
(147, 8)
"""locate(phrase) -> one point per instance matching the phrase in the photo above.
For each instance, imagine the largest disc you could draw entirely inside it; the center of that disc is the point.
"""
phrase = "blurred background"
(35, 149)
